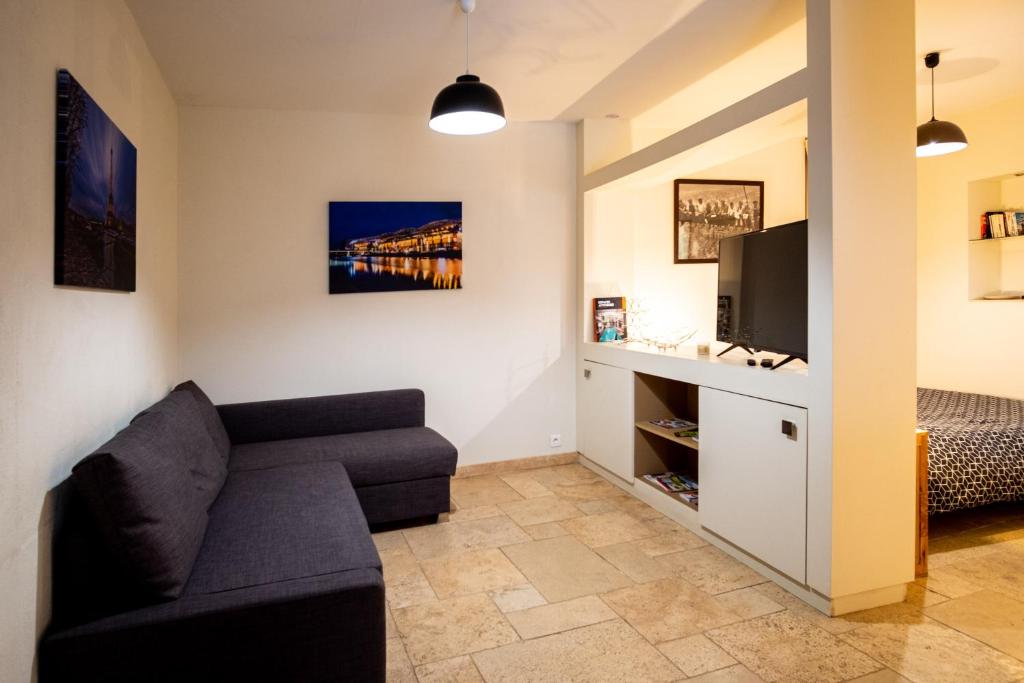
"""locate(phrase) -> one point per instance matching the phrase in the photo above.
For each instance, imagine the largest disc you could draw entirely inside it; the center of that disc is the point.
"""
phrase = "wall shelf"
(998, 266)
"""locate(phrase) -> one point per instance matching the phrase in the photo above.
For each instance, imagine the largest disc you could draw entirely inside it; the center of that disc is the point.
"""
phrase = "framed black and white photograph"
(709, 210)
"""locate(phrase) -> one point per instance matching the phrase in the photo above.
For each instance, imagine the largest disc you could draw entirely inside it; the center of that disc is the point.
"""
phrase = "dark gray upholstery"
(298, 418)
(211, 418)
(370, 458)
(283, 583)
(148, 490)
(320, 628)
(282, 524)
(405, 499)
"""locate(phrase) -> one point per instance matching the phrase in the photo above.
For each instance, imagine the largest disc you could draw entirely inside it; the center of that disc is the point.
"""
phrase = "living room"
(297, 386)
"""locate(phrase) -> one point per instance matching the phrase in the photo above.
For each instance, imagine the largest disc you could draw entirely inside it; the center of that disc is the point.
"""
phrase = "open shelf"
(657, 450)
(999, 266)
(669, 434)
(676, 498)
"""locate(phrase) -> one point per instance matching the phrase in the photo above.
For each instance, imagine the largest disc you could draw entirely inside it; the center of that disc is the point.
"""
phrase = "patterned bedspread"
(975, 448)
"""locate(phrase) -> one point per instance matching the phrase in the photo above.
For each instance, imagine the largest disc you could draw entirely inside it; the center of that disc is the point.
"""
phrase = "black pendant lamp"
(936, 138)
(467, 106)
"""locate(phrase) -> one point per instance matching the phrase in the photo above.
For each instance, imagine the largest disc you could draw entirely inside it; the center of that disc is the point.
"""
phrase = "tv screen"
(762, 290)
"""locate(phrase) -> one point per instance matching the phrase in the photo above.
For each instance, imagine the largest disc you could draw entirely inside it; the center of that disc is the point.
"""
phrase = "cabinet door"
(606, 417)
(753, 477)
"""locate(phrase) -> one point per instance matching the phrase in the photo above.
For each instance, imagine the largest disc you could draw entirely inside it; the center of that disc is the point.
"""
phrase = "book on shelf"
(689, 496)
(996, 224)
(689, 434)
(609, 318)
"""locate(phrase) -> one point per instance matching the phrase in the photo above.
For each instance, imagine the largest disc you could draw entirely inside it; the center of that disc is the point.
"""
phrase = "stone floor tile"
(711, 570)
(563, 474)
(732, 674)
(594, 490)
(1001, 571)
(525, 485)
(486, 489)
(696, 655)
(404, 582)
(748, 603)
(609, 652)
(563, 568)
(390, 540)
(475, 571)
(517, 598)
(454, 670)
(539, 532)
(453, 627)
(560, 616)
(668, 609)
(399, 668)
(629, 559)
(441, 539)
(994, 619)
(540, 510)
(607, 528)
(782, 647)
(479, 512)
(922, 649)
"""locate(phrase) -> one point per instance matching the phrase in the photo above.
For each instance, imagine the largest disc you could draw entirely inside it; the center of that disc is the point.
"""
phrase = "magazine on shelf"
(609, 318)
(672, 482)
(674, 423)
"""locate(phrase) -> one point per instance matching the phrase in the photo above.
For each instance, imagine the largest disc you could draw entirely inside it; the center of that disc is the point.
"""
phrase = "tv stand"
(776, 366)
(736, 346)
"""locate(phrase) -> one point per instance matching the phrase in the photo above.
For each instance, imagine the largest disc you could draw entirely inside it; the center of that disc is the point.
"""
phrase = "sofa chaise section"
(400, 469)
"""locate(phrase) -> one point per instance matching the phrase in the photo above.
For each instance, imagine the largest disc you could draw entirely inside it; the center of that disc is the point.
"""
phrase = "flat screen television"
(762, 290)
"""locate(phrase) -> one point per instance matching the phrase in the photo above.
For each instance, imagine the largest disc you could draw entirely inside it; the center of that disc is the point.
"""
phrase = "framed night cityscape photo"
(394, 246)
(94, 200)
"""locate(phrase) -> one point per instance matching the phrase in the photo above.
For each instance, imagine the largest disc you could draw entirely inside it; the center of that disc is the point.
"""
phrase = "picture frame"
(706, 211)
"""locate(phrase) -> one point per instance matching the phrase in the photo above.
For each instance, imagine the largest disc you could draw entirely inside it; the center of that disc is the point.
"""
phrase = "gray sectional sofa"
(230, 543)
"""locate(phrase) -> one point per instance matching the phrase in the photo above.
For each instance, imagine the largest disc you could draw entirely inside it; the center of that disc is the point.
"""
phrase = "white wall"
(76, 364)
(495, 358)
(629, 245)
(966, 345)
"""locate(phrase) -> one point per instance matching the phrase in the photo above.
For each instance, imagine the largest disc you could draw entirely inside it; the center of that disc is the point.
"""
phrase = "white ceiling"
(392, 56)
(549, 59)
(981, 43)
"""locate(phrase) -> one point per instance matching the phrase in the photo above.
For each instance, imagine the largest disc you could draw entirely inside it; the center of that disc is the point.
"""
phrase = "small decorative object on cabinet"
(94, 199)
(708, 210)
(394, 246)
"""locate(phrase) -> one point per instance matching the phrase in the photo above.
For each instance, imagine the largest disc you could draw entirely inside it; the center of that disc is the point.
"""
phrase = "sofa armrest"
(323, 628)
(299, 418)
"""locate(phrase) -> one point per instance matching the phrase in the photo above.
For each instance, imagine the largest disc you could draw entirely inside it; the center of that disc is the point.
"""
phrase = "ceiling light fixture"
(936, 138)
(467, 106)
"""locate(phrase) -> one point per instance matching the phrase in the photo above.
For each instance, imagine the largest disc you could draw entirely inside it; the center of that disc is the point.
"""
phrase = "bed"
(975, 448)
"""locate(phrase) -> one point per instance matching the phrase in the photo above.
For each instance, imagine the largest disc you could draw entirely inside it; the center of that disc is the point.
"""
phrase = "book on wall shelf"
(999, 224)
(610, 318)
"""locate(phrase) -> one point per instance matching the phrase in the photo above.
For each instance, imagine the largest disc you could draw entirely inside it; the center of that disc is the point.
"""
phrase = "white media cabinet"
(752, 473)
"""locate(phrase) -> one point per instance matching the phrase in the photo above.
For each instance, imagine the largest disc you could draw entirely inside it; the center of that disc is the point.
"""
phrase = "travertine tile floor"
(555, 575)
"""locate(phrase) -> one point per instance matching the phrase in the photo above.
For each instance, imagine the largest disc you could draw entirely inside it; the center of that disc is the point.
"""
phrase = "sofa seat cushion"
(282, 524)
(370, 458)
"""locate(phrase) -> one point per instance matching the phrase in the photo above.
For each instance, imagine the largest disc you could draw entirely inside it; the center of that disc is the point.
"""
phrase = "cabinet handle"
(586, 374)
(789, 429)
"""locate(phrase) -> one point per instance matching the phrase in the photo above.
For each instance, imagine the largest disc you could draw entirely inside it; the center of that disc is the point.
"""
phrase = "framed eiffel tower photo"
(94, 198)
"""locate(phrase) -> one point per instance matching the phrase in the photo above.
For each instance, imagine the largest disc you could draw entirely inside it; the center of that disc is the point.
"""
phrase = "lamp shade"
(935, 138)
(467, 107)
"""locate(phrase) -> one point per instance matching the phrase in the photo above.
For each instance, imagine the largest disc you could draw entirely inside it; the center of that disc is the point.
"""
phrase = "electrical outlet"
(555, 440)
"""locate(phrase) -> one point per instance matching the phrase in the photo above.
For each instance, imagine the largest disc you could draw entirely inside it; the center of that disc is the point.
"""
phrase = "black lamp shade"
(939, 137)
(467, 107)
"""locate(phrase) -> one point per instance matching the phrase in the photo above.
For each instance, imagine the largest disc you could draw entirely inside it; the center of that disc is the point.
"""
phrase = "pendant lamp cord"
(933, 92)
(467, 55)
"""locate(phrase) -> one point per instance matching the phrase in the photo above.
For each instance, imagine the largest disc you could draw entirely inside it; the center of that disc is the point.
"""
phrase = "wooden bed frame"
(921, 547)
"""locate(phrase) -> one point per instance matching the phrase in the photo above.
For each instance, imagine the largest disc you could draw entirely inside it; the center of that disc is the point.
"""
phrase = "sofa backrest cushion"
(149, 489)
(211, 418)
